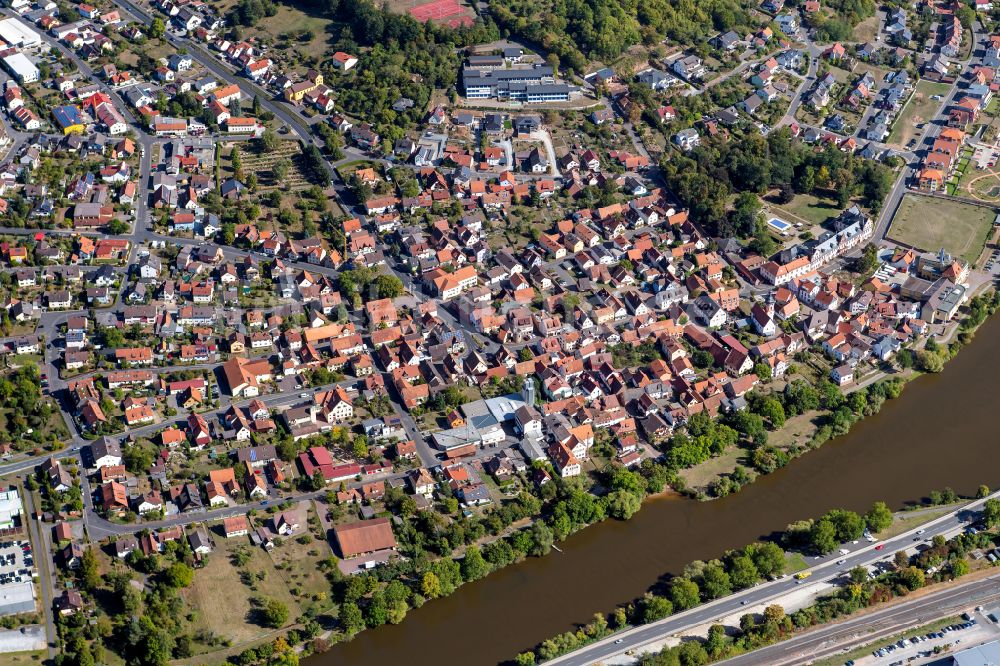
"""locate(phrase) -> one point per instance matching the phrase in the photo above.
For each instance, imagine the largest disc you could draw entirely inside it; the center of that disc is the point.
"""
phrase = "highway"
(826, 570)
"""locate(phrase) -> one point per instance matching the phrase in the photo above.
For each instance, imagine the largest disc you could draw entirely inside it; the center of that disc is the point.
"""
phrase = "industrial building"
(17, 598)
(18, 35)
(21, 68)
(10, 509)
(987, 653)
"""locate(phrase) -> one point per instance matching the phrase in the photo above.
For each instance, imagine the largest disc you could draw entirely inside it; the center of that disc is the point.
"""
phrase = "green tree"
(768, 557)
(912, 578)
(742, 572)
(268, 140)
(684, 593)
(430, 585)
(772, 410)
(351, 620)
(850, 526)
(474, 566)
(879, 517)
(525, 659)
(991, 512)
(137, 458)
(715, 582)
(762, 370)
(156, 28)
(623, 504)
(823, 536)
(654, 607)
(280, 169)
(541, 539)
(90, 575)
(179, 575)
(388, 286)
(274, 613)
(868, 260)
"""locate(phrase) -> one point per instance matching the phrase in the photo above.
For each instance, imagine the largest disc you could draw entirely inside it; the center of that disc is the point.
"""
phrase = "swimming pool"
(778, 224)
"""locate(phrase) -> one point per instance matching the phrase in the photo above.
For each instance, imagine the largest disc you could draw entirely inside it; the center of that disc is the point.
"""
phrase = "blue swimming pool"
(778, 224)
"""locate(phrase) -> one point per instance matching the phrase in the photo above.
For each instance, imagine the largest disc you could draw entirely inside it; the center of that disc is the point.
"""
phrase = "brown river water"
(942, 431)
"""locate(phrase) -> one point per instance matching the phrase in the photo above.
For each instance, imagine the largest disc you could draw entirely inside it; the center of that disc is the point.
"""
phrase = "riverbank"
(803, 432)
(749, 617)
(895, 455)
(791, 600)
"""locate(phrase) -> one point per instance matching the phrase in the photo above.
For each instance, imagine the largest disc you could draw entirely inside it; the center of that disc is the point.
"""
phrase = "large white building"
(10, 508)
(19, 35)
(21, 68)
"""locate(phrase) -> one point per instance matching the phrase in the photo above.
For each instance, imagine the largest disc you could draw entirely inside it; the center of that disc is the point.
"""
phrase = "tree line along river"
(942, 431)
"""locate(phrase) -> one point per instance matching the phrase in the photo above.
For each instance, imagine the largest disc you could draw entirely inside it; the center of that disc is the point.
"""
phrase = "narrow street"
(46, 587)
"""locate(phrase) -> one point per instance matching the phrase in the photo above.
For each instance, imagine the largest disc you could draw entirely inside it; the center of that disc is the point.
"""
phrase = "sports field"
(930, 224)
(451, 12)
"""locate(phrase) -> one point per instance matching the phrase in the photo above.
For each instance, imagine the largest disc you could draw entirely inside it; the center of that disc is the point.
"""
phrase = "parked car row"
(916, 640)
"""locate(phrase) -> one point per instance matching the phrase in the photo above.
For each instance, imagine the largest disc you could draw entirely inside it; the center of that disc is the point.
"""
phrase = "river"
(940, 432)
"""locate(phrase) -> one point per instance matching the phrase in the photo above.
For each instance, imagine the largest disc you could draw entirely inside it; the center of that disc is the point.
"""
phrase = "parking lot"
(16, 560)
(919, 648)
(992, 262)
(17, 569)
(985, 156)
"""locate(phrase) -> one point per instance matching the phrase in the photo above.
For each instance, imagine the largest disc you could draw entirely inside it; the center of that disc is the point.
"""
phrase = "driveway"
(546, 138)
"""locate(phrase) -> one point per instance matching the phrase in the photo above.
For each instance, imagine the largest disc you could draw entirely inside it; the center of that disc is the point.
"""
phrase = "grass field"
(961, 229)
(703, 474)
(222, 600)
(797, 430)
(807, 209)
(866, 30)
(904, 521)
(301, 563)
(919, 109)
(18, 658)
(795, 562)
(982, 185)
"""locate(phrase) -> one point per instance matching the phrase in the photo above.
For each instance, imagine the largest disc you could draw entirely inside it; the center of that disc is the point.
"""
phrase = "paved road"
(46, 575)
(830, 568)
(869, 628)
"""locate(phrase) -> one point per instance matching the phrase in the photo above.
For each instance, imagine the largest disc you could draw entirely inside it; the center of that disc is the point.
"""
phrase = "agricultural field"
(961, 229)
(254, 159)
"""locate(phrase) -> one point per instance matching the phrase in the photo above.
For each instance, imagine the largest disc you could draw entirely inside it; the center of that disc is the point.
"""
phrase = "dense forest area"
(707, 178)
(578, 30)
(406, 59)
(840, 26)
